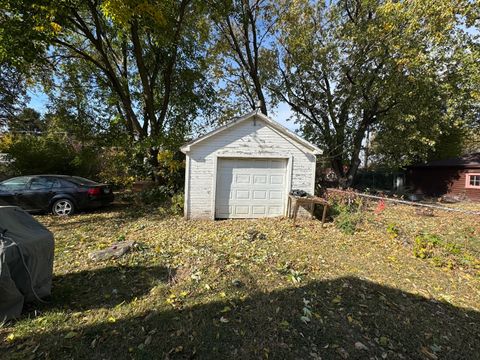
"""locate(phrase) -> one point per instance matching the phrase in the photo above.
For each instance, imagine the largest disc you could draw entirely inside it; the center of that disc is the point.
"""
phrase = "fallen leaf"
(70, 335)
(337, 299)
(360, 346)
(428, 354)
(383, 341)
(305, 319)
(148, 340)
(343, 353)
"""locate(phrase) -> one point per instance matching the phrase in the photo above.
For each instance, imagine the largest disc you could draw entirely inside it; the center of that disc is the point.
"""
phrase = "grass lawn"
(219, 290)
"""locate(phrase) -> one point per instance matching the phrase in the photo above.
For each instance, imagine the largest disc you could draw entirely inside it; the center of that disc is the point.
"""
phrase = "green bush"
(443, 253)
(49, 154)
(347, 218)
(178, 200)
(114, 168)
(161, 198)
(150, 160)
(121, 165)
(453, 249)
(156, 196)
(425, 245)
(5, 172)
(393, 230)
(40, 154)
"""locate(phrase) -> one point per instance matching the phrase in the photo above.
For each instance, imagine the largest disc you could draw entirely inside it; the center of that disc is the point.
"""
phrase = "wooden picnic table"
(294, 203)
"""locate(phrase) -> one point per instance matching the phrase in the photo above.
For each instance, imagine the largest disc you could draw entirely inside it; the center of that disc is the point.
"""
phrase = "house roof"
(283, 130)
(466, 161)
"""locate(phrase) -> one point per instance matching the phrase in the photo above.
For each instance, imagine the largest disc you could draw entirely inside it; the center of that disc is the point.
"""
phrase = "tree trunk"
(153, 160)
(259, 93)
(345, 179)
(366, 150)
(346, 176)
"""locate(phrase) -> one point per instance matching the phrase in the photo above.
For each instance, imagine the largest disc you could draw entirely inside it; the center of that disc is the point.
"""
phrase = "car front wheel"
(63, 207)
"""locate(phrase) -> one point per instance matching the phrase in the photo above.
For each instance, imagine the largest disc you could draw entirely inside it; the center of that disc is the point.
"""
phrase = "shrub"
(40, 154)
(155, 196)
(444, 254)
(161, 198)
(452, 248)
(171, 169)
(438, 261)
(167, 168)
(114, 168)
(48, 154)
(393, 230)
(177, 203)
(425, 245)
(347, 218)
(5, 172)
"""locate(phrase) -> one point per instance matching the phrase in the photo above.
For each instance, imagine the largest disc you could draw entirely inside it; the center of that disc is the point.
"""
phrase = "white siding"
(250, 138)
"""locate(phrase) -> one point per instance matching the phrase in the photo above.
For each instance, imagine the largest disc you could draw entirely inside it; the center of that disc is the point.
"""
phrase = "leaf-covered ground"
(254, 289)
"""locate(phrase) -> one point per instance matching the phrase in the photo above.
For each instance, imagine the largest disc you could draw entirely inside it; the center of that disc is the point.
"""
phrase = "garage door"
(250, 188)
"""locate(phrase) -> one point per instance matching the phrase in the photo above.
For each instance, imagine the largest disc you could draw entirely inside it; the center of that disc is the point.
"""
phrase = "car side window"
(67, 184)
(41, 183)
(56, 184)
(19, 183)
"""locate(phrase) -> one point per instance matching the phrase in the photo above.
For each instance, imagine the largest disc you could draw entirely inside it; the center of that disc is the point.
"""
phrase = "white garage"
(245, 169)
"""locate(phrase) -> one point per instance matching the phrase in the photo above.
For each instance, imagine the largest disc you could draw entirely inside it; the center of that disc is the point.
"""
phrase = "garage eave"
(312, 148)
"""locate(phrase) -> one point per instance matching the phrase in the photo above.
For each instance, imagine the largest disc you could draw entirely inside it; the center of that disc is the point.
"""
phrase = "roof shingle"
(466, 161)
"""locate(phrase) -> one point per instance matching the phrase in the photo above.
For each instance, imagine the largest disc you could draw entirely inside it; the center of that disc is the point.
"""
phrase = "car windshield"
(81, 181)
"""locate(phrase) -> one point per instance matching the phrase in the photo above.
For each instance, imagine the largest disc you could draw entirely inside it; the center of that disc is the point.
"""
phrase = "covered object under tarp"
(26, 261)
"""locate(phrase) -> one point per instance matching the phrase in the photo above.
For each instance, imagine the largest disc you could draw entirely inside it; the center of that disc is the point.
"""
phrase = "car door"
(11, 190)
(37, 194)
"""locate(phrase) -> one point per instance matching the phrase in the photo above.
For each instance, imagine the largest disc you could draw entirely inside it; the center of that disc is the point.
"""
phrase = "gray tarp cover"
(37, 245)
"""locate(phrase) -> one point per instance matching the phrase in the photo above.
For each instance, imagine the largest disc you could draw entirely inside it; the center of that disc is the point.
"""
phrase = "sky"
(38, 100)
(281, 115)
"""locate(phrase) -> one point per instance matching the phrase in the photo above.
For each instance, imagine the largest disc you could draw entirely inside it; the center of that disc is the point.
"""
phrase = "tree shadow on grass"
(123, 212)
(127, 209)
(351, 318)
(105, 287)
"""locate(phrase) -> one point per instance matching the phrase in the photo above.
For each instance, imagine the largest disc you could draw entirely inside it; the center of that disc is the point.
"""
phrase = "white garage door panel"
(250, 188)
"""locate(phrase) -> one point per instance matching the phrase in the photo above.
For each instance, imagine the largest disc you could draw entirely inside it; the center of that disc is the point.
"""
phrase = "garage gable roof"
(273, 124)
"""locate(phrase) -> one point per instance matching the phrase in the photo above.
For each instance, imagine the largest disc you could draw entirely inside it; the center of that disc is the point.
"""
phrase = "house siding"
(250, 138)
(438, 181)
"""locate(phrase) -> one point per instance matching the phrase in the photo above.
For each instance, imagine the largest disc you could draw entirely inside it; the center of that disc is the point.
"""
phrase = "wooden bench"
(294, 203)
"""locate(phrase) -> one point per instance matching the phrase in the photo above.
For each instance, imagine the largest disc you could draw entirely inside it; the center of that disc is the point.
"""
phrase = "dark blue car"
(59, 194)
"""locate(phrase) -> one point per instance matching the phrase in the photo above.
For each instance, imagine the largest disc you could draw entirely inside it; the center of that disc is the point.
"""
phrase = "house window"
(473, 181)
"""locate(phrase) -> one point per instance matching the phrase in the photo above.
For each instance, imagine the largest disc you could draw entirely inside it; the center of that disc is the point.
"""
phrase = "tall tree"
(21, 52)
(243, 45)
(354, 66)
(144, 57)
(12, 92)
